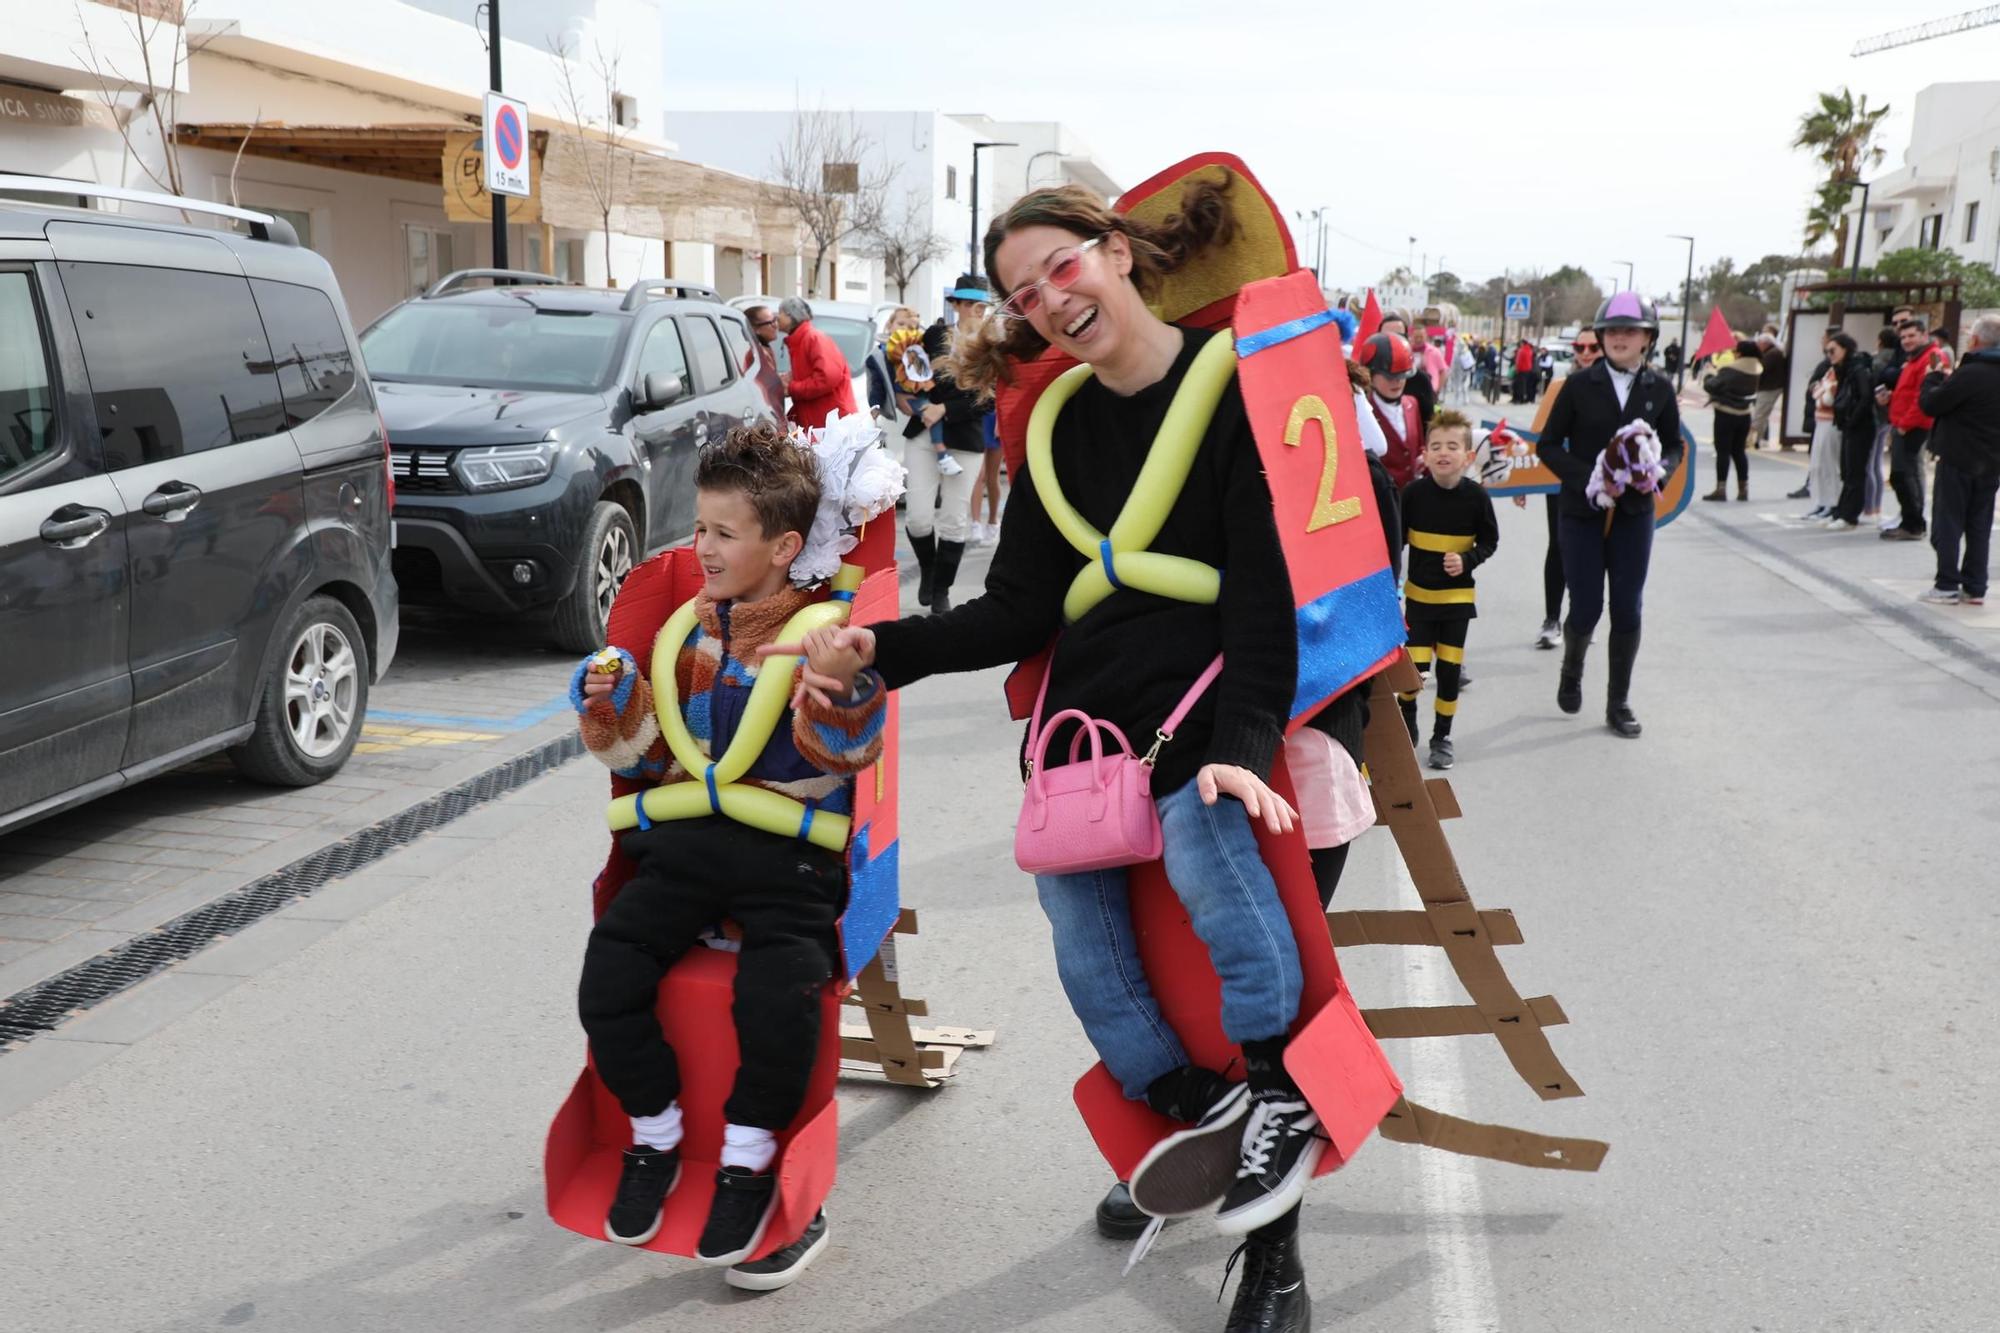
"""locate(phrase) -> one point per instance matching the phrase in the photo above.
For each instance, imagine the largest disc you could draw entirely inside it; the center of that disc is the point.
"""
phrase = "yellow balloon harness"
(720, 789)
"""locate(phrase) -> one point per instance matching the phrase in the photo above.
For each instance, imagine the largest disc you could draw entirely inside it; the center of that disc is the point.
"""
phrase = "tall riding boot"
(948, 556)
(1617, 712)
(926, 549)
(1569, 685)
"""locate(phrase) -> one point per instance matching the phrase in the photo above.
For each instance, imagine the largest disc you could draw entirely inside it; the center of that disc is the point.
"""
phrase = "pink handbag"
(1096, 813)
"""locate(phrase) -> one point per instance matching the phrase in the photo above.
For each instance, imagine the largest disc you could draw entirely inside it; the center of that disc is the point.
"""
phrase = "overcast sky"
(1501, 135)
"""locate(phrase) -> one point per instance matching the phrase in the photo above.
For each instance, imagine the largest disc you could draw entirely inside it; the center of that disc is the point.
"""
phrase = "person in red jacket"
(1524, 372)
(1912, 427)
(821, 381)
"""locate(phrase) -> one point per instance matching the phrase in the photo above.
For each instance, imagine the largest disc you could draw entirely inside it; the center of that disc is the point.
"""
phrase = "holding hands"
(835, 655)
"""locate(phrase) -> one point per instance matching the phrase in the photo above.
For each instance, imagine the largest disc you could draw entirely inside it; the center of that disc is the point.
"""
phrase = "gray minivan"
(194, 501)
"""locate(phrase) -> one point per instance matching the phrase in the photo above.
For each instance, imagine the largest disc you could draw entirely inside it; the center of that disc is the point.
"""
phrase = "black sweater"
(1436, 521)
(1585, 417)
(1132, 656)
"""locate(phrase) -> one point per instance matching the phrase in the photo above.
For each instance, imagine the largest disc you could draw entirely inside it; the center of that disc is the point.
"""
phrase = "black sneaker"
(1191, 1169)
(1272, 1297)
(1118, 1218)
(1440, 757)
(649, 1175)
(1281, 1146)
(781, 1268)
(737, 1218)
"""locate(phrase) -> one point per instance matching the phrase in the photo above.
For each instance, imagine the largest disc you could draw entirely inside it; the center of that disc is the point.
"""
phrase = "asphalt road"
(1770, 922)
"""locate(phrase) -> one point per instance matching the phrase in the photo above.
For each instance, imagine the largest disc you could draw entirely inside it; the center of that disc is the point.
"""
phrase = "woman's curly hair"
(982, 362)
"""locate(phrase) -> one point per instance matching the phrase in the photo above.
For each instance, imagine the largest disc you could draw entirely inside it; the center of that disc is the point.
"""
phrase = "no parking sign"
(505, 145)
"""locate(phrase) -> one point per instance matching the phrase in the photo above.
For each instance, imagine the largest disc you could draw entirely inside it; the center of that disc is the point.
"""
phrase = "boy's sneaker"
(948, 466)
(736, 1220)
(1191, 1169)
(1550, 637)
(1440, 757)
(1969, 599)
(781, 1268)
(1941, 596)
(1281, 1147)
(649, 1175)
(1839, 524)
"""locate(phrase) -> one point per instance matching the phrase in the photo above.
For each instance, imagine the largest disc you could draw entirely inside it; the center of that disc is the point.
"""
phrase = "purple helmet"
(1627, 310)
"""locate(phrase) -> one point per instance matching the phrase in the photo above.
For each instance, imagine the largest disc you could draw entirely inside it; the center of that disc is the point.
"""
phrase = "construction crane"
(1924, 32)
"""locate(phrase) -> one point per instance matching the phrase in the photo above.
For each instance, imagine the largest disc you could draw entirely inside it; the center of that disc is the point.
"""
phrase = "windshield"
(512, 346)
(849, 335)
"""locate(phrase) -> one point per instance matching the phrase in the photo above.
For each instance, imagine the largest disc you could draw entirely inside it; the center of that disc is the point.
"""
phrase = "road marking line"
(1463, 1296)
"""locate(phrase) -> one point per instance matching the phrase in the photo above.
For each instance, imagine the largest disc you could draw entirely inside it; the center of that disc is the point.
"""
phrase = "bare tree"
(607, 169)
(157, 99)
(908, 243)
(824, 173)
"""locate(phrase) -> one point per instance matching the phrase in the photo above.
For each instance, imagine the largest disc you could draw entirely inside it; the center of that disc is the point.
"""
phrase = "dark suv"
(543, 436)
(194, 502)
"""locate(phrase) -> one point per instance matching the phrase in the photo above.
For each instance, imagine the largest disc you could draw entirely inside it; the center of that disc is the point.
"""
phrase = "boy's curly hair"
(778, 477)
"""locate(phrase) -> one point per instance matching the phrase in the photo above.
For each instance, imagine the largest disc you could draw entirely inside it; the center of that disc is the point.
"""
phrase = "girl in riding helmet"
(1622, 408)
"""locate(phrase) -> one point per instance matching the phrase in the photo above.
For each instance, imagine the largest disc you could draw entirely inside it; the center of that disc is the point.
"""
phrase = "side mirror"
(658, 391)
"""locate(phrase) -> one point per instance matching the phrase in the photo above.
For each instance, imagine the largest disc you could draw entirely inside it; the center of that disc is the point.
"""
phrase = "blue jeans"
(1216, 870)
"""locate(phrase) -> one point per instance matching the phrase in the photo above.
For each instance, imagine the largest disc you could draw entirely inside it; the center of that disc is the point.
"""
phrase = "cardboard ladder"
(1413, 809)
(887, 1044)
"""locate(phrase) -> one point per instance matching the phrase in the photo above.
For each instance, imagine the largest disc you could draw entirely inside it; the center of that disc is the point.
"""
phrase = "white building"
(1946, 195)
(355, 121)
(932, 155)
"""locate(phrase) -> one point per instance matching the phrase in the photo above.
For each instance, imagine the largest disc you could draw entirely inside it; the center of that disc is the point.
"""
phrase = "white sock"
(661, 1132)
(748, 1147)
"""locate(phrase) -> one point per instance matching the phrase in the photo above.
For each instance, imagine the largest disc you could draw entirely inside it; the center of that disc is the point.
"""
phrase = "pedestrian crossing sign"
(1518, 304)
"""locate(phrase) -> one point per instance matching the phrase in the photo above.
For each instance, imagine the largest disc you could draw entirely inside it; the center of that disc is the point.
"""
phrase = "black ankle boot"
(1272, 1297)
(1569, 685)
(1617, 712)
(948, 556)
(1118, 1218)
(926, 549)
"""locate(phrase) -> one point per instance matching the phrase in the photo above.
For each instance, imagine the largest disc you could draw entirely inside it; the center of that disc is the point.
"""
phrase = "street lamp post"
(493, 77)
(977, 148)
(1687, 300)
(1628, 272)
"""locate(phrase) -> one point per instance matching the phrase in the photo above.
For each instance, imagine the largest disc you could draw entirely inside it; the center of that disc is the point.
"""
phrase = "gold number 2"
(1326, 511)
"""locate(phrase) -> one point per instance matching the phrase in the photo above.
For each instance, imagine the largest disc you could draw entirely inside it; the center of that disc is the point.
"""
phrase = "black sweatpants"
(1855, 446)
(1732, 447)
(1962, 520)
(1445, 641)
(785, 894)
(1552, 570)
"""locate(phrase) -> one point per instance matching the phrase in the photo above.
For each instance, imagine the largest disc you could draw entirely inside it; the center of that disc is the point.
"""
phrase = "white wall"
(43, 42)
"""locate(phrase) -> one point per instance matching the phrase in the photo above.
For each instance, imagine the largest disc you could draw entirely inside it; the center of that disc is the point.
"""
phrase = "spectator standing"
(1913, 428)
(1670, 360)
(1524, 372)
(1823, 466)
(1882, 382)
(1732, 391)
(882, 396)
(764, 324)
(1770, 385)
(1965, 435)
(1854, 418)
(821, 382)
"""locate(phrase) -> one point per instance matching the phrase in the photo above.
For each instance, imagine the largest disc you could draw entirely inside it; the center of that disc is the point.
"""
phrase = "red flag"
(1717, 337)
(1371, 319)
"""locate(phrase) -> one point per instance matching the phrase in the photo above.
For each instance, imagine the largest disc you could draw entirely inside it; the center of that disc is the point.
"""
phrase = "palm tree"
(1839, 134)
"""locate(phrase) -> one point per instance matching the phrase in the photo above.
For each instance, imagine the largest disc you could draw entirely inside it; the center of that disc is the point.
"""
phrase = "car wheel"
(313, 701)
(609, 551)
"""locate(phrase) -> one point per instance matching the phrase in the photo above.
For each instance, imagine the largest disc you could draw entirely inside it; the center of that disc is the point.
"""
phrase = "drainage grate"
(46, 1005)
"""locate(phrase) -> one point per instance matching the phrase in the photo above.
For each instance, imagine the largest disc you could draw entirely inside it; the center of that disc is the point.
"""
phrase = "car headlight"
(502, 467)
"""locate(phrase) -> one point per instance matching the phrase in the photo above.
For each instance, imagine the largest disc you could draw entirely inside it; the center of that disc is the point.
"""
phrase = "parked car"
(850, 324)
(194, 502)
(543, 436)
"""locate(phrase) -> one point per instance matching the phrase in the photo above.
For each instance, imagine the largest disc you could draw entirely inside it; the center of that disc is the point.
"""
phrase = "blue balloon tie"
(806, 824)
(714, 797)
(841, 596)
(639, 808)
(1110, 570)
